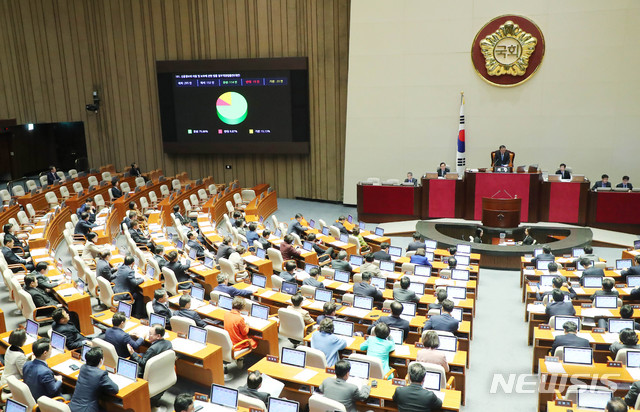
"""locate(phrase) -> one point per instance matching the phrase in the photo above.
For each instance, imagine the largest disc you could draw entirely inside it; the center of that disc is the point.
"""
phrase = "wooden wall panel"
(56, 52)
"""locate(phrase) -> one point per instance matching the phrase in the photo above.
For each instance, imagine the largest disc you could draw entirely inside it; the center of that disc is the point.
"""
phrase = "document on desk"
(359, 382)
(65, 367)
(401, 350)
(439, 395)
(267, 294)
(610, 337)
(355, 312)
(344, 286)
(317, 305)
(627, 290)
(327, 282)
(349, 340)
(578, 290)
(36, 235)
(272, 386)
(257, 323)
(448, 355)
(339, 243)
(531, 308)
(586, 336)
(252, 288)
(39, 252)
(252, 259)
(447, 282)
(554, 367)
(186, 345)
(529, 272)
(372, 237)
(67, 292)
(595, 312)
(304, 375)
(302, 275)
(207, 308)
(635, 373)
(120, 380)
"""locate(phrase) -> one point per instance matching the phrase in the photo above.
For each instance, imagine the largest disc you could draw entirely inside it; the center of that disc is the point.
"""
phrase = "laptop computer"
(577, 252)
(460, 274)
(309, 266)
(633, 359)
(343, 328)
(244, 244)
(463, 249)
(537, 251)
(560, 320)
(293, 357)
(606, 302)
(421, 270)
(13, 406)
(578, 356)
(208, 262)
(457, 292)
(363, 302)
(58, 341)
(463, 260)
(125, 308)
(179, 244)
(32, 329)
(432, 381)
(197, 293)
(323, 295)
(325, 231)
(448, 343)
(633, 281)
(417, 288)
(615, 325)
(622, 264)
(397, 335)
(197, 334)
(379, 283)
(409, 309)
(83, 352)
(341, 276)
(127, 369)
(359, 369)
(283, 405)
(592, 282)
(429, 256)
(155, 319)
(290, 288)
(395, 251)
(543, 264)
(193, 254)
(456, 313)
(312, 223)
(80, 286)
(277, 233)
(361, 225)
(379, 231)
(261, 253)
(224, 302)
(356, 260)
(636, 244)
(260, 311)
(151, 271)
(430, 244)
(387, 266)
(546, 280)
(308, 246)
(223, 397)
(344, 238)
(258, 280)
(350, 219)
(589, 398)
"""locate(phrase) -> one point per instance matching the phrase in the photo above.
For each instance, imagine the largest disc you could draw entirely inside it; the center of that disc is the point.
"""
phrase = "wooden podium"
(501, 212)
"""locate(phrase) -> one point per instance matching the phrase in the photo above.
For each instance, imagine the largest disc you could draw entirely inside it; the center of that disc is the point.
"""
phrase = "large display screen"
(234, 106)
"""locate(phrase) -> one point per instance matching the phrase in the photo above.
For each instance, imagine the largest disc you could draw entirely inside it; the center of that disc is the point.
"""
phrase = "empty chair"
(61, 176)
(106, 177)
(320, 403)
(46, 404)
(175, 184)
(73, 173)
(77, 187)
(213, 190)
(5, 196)
(32, 212)
(276, 282)
(43, 180)
(248, 195)
(334, 232)
(237, 199)
(160, 372)
(21, 392)
(315, 357)
(180, 324)
(140, 181)
(187, 209)
(202, 194)
(18, 190)
(100, 203)
(64, 192)
(31, 185)
(195, 203)
(124, 187)
(164, 191)
(144, 204)
(230, 207)
(93, 181)
(321, 224)
(153, 198)
(109, 351)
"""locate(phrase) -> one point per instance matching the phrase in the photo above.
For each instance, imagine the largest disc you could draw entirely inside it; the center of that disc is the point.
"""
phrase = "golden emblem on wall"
(507, 50)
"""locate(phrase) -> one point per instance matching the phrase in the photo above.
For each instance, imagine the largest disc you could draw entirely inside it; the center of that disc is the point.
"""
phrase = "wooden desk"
(383, 393)
(388, 203)
(442, 198)
(262, 207)
(203, 367)
(79, 304)
(39, 202)
(216, 207)
(551, 407)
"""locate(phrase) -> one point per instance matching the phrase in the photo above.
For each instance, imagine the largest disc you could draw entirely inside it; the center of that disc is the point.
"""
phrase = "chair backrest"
(276, 259)
(621, 356)
(160, 372)
(46, 404)
(307, 290)
(7, 277)
(250, 402)
(23, 219)
(334, 231)
(105, 292)
(43, 180)
(237, 198)
(140, 181)
(31, 185)
(276, 281)
(220, 337)
(93, 181)
(77, 187)
(180, 324)
(320, 403)
(164, 190)
(315, 357)
(170, 281)
(18, 190)
(213, 190)
(106, 176)
(73, 173)
(144, 203)
(74, 219)
(25, 303)
(248, 195)
(321, 224)
(64, 192)
(407, 267)
(187, 206)
(327, 272)
(21, 392)
(375, 364)
(153, 197)
(124, 187)
(51, 198)
(226, 267)
(194, 200)
(175, 184)
(229, 206)
(291, 324)
(61, 175)
(600, 265)
(202, 194)
(274, 219)
(99, 201)
(110, 354)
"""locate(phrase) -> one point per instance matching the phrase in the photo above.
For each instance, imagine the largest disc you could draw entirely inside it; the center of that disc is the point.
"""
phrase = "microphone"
(494, 195)
(508, 194)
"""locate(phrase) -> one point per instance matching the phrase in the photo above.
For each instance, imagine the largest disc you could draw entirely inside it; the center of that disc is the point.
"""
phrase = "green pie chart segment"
(232, 108)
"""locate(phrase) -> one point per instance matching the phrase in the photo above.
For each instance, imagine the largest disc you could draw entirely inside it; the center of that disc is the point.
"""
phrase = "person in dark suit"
(158, 345)
(43, 281)
(126, 281)
(186, 312)
(420, 258)
(443, 169)
(263, 239)
(393, 321)
(62, 325)
(312, 280)
(445, 321)
(589, 271)
(564, 174)
(502, 157)
(179, 217)
(383, 253)
(413, 397)
(183, 403)
(296, 227)
(441, 296)
(557, 282)
(52, 177)
(120, 339)
(130, 217)
(559, 306)
(40, 298)
(89, 208)
(628, 339)
(13, 259)
(417, 243)
(365, 288)
(340, 225)
(411, 179)
(602, 183)
(84, 226)
(403, 294)
(545, 255)
(103, 267)
(323, 254)
(340, 390)
(289, 272)
(340, 262)
(328, 312)
(632, 395)
(588, 253)
(478, 236)
(194, 244)
(37, 374)
(223, 286)
(92, 383)
(252, 234)
(160, 304)
(114, 189)
(252, 388)
(138, 236)
(10, 232)
(607, 289)
(135, 170)
(625, 183)
(179, 270)
(528, 239)
(569, 338)
(158, 256)
(225, 250)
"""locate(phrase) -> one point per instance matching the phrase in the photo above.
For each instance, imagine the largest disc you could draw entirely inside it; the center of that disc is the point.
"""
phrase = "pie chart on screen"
(232, 108)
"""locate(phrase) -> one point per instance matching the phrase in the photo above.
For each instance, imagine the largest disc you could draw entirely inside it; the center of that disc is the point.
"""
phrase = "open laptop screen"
(155, 319)
(323, 295)
(387, 266)
(409, 308)
(395, 251)
(258, 280)
(581, 356)
(592, 282)
(543, 264)
(457, 292)
(223, 396)
(616, 325)
(623, 264)
(293, 357)
(379, 283)
(325, 231)
(308, 246)
(197, 334)
(421, 270)
(432, 381)
(32, 328)
(593, 399)
(343, 328)
(463, 249)
(636, 244)
(151, 271)
(417, 288)
(606, 302)
(260, 311)
(341, 276)
(379, 231)
(179, 244)
(289, 288)
(13, 406)
(633, 359)
(261, 253)
(359, 369)
(282, 405)
(350, 219)
(547, 280)
(633, 281)
(577, 252)
(456, 313)
(356, 260)
(197, 292)
(83, 353)
(312, 223)
(560, 320)
(58, 341)
(361, 225)
(208, 262)
(363, 302)
(125, 308)
(309, 266)
(193, 253)
(448, 343)
(430, 244)
(460, 274)
(463, 260)
(344, 238)
(397, 335)
(127, 368)
(225, 302)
